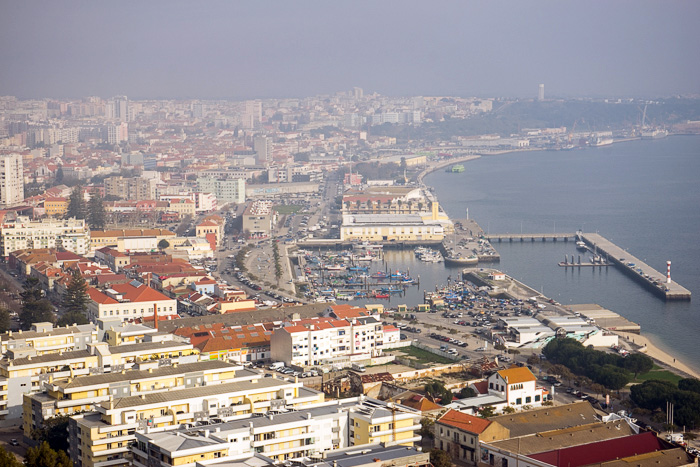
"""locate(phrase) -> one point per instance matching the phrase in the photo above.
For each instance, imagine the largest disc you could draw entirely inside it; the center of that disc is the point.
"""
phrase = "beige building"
(134, 189)
(102, 437)
(111, 238)
(432, 227)
(70, 234)
(258, 219)
(80, 394)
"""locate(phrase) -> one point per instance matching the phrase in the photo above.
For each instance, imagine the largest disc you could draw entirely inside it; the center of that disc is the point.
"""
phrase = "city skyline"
(250, 50)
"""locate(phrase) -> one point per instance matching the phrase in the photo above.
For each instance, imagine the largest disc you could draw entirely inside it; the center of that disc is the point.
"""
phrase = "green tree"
(467, 392)
(638, 363)
(96, 212)
(426, 428)
(53, 431)
(440, 458)
(486, 412)
(59, 175)
(44, 456)
(35, 308)
(5, 321)
(436, 390)
(163, 244)
(7, 459)
(76, 205)
(689, 384)
(75, 298)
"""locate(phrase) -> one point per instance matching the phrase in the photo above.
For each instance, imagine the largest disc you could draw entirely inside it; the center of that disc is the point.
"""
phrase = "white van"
(276, 366)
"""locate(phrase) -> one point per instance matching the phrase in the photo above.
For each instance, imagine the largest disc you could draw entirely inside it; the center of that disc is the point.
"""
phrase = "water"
(642, 195)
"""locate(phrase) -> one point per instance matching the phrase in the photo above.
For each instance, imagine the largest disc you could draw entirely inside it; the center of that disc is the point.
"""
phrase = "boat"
(334, 267)
(654, 134)
(379, 275)
(381, 295)
(581, 246)
(457, 168)
(461, 260)
(367, 246)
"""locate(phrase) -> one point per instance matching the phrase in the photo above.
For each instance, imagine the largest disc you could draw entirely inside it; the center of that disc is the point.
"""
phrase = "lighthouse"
(668, 272)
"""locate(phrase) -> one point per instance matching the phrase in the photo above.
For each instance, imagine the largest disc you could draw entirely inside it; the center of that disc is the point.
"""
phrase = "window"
(528, 399)
(537, 398)
(518, 401)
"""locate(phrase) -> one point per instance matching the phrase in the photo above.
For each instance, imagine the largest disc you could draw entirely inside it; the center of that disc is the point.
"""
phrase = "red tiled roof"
(464, 421)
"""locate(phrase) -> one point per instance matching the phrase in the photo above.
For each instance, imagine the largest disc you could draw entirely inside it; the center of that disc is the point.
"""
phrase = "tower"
(11, 179)
(668, 272)
(540, 93)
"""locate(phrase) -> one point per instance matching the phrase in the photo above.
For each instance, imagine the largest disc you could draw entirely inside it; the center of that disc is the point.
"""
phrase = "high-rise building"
(117, 108)
(11, 179)
(252, 114)
(118, 133)
(540, 93)
(357, 93)
(263, 149)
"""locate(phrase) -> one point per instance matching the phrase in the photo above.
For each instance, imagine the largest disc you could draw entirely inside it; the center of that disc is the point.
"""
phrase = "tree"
(436, 390)
(53, 431)
(59, 175)
(75, 298)
(689, 384)
(5, 321)
(7, 459)
(638, 363)
(508, 409)
(426, 428)
(44, 456)
(163, 244)
(486, 412)
(96, 212)
(76, 205)
(440, 458)
(35, 308)
(466, 393)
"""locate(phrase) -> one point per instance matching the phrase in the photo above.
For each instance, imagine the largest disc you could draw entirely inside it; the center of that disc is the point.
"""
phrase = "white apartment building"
(226, 190)
(328, 342)
(11, 179)
(128, 302)
(22, 233)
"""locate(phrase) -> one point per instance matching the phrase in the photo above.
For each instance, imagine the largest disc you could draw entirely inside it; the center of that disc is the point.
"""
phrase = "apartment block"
(226, 190)
(23, 233)
(11, 179)
(80, 394)
(128, 302)
(102, 438)
(327, 341)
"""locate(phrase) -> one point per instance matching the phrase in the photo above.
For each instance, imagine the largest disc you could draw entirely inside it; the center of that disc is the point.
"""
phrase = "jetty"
(531, 237)
(634, 267)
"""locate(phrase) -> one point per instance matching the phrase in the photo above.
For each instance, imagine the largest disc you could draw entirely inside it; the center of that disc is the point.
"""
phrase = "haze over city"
(166, 49)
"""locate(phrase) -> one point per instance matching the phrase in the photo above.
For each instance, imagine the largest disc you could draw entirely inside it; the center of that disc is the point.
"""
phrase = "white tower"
(540, 93)
(668, 272)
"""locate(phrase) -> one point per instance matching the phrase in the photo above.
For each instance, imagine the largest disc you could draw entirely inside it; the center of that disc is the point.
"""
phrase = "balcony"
(377, 434)
(285, 439)
(112, 462)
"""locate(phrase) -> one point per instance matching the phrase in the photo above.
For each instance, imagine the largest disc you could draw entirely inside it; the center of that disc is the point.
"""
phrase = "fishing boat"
(458, 259)
(581, 246)
(334, 267)
(381, 295)
(379, 275)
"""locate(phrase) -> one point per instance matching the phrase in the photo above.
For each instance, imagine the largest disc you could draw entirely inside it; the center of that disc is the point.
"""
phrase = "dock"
(531, 237)
(632, 266)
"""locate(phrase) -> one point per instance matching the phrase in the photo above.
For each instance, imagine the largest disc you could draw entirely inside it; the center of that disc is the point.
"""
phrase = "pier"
(636, 268)
(531, 237)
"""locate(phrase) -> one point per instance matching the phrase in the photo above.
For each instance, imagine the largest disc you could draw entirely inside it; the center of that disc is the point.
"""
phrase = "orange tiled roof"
(464, 421)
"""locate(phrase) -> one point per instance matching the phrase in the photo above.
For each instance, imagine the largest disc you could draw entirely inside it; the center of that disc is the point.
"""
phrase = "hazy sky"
(210, 49)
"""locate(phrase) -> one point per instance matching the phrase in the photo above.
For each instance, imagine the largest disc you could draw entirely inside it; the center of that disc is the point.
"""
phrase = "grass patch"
(287, 208)
(422, 356)
(659, 374)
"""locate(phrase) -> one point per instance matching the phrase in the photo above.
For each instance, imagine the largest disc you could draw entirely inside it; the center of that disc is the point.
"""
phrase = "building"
(540, 92)
(128, 239)
(263, 149)
(56, 207)
(11, 179)
(460, 434)
(105, 435)
(258, 219)
(68, 234)
(311, 431)
(226, 190)
(518, 386)
(118, 133)
(133, 189)
(128, 302)
(327, 342)
(44, 338)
